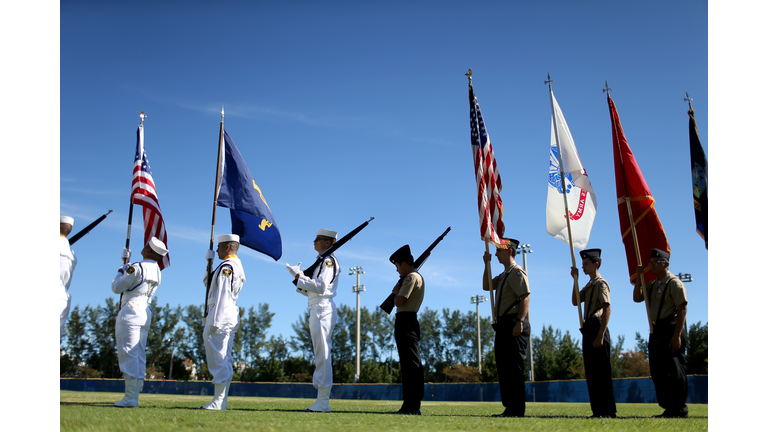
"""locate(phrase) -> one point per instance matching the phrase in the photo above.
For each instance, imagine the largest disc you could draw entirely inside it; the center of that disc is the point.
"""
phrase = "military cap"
(158, 246)
(658, 253)
(590, 253)
(66, 220)
(511, 243)
(226, 238)
(402, 255)
(327, 233)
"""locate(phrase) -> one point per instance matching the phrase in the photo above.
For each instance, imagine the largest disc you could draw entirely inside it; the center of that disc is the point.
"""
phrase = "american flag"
(489, 205)
(144, 194)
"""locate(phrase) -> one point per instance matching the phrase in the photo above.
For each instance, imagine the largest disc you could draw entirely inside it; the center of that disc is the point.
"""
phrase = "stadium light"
(476, 300)
(357, 289)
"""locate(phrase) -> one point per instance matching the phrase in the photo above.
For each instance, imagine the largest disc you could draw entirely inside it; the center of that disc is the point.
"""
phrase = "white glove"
(209, 255)
(126, 254)
(293, 270)
(205, 319)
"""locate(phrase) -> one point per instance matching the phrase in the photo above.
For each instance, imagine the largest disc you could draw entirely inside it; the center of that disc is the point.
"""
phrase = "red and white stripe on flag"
(144, 194)
(489, 204)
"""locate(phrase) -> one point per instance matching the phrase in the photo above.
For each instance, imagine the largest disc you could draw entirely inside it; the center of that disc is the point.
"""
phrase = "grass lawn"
(93, 411)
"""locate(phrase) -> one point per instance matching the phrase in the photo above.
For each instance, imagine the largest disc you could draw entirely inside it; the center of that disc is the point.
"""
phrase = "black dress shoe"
(414, 412)
(506, 414)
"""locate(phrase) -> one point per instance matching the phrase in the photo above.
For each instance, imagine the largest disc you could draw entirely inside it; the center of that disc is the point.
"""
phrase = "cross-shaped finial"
(689, 100)
(607, 89)
(142, 116)
(549, 81)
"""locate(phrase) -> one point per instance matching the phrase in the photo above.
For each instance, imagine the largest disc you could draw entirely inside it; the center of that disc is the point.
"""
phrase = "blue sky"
(345, 111)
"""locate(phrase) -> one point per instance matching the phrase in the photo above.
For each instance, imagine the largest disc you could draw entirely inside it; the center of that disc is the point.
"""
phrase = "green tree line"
(449, 347)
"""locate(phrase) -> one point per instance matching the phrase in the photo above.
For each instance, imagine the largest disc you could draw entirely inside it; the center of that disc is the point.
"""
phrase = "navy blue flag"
(251, 217)
(699, 176)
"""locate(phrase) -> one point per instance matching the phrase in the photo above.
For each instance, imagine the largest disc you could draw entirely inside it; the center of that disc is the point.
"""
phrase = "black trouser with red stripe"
(407, 337)
(597, 368)
(510, 363)
(668, 367)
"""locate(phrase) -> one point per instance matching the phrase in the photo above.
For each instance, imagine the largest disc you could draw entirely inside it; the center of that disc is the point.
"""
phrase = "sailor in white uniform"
(67, 263)
(136, 283)
(223, 316)
(320, 290)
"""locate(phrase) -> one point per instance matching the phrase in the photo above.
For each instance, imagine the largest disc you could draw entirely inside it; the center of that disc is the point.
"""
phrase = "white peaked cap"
(66, 220)
(229, 238)
(327, 233)
(158, 246)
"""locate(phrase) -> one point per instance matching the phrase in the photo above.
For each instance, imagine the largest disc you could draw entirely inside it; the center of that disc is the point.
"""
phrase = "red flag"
(631, 186)
(144, 194)
(489, 205)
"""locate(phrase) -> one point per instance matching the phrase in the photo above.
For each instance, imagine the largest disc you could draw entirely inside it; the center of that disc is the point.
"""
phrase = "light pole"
(476, 300)
(357, 289)
(173, 351)
(391, 347)
(526, 249)
(282, 355)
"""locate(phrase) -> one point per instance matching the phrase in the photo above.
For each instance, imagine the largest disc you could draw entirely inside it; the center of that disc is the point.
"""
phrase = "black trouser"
(597, 368)
(510, 363)
(668, 367)
(407, 337)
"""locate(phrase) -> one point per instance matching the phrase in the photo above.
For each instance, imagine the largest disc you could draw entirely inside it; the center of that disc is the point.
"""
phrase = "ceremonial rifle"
(389, 303)
(87, 229)
(311, 269)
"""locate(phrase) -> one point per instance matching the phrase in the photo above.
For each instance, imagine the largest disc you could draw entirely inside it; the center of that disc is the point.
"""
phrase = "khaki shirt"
(515, 285)
(674, 297)
(597, 292)
(413, 291)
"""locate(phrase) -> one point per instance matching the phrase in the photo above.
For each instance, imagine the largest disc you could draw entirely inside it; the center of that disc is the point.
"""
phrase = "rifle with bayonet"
(339, 243)
(389, 303)
(87, 229)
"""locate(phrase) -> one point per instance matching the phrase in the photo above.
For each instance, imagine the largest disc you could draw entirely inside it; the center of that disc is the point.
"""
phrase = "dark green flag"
(699, 177)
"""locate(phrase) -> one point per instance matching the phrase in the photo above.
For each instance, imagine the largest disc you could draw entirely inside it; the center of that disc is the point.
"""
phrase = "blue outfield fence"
(626, 390)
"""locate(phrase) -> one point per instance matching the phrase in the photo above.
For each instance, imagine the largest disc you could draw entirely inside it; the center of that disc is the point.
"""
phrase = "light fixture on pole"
(357, 289)
(685, 277)
(526, 249)
(476, 300)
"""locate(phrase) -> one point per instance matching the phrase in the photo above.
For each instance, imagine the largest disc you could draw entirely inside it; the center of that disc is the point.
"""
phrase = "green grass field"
(93, 411)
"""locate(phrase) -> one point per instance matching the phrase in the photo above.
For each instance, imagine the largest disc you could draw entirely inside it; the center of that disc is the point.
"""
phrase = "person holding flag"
(222, 317)
(668, 339)
(67, 263)
(253, 226)
(596, 339)
(136, 283)
(512, 334)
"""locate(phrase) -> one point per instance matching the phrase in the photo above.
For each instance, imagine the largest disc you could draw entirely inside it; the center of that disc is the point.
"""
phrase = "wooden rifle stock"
(389, 303)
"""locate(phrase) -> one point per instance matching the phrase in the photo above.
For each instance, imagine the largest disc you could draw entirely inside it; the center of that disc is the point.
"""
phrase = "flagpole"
(142, 116)
(487, 248)
(632, 225)
(213, 217)
(565, 200)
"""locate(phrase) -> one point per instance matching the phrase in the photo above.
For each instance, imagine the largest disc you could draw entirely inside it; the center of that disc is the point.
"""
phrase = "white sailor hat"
(229, 238)
(66, 220)
(158, 246)
(327, 233)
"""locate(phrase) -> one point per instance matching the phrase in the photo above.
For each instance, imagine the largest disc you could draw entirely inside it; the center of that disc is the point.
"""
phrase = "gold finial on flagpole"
(689, 100)
(549, 81)
(469, 75)
(607, 89)
(222, 113)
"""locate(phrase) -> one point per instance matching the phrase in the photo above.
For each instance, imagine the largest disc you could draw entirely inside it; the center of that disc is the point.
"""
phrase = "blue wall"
(631, 390)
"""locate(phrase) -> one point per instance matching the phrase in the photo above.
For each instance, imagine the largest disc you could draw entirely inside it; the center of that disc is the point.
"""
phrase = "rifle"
(87, 229)
(339, 243)
(389, 303)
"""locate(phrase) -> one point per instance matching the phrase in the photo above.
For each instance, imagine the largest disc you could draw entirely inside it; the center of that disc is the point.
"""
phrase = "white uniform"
(320, 290)
(137, 283)
(223, 318)
(67, 263)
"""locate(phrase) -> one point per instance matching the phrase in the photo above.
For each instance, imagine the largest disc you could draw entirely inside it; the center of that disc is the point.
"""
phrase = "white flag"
(582, 203)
